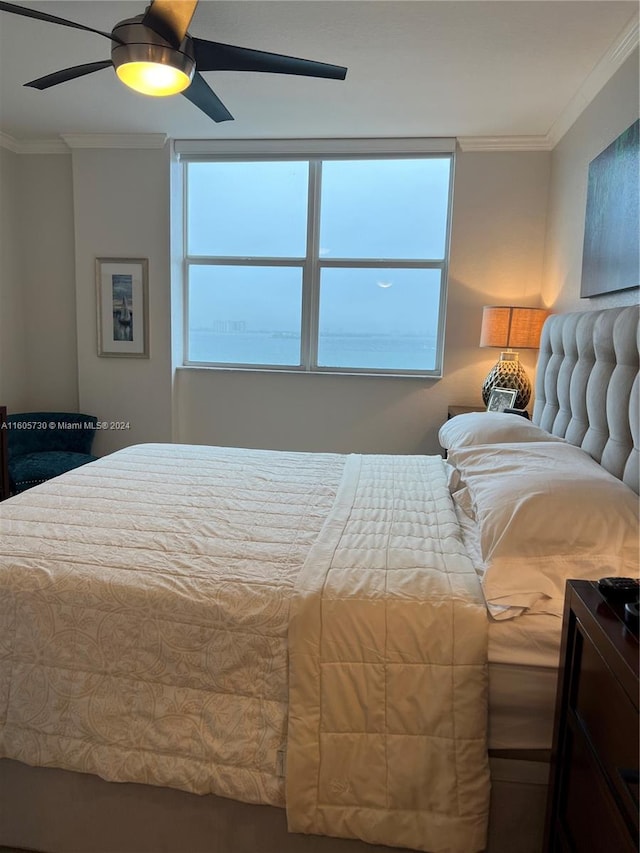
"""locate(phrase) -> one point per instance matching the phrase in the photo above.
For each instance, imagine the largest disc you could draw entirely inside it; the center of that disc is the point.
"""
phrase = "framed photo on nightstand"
(501, 399)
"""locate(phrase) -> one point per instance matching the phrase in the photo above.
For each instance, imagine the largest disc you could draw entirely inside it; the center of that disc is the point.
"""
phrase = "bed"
(202, 648)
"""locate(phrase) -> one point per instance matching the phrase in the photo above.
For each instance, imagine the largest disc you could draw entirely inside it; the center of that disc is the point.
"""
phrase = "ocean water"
(391, 352)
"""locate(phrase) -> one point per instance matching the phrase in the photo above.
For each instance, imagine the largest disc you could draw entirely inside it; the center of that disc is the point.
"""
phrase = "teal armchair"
(42, 445)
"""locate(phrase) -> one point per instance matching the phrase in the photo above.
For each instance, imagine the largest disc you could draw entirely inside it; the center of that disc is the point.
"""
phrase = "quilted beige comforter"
(387, 715)
(145, 607)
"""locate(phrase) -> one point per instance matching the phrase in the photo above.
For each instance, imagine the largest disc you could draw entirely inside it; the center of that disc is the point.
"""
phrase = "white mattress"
(521, 706)
(523, 672)
(530, 640)
(523, 668)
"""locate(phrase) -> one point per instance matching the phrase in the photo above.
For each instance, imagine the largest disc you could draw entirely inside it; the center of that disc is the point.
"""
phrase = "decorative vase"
(508, 373)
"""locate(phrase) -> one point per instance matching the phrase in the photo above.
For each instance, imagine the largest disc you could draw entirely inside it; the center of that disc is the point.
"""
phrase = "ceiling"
(441, 68)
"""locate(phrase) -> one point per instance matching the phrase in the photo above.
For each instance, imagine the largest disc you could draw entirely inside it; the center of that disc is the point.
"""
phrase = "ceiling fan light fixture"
(147, 64)
(153, 78)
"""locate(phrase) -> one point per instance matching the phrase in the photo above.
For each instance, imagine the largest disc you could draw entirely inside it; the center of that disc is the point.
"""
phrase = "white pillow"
(489, 428)
(546, 512)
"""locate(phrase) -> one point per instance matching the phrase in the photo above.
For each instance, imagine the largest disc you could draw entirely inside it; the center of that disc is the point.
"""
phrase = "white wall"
(121, 201)
(48, 279)
(496, 256)
(13, 363)
(613, 110)
(38, 354)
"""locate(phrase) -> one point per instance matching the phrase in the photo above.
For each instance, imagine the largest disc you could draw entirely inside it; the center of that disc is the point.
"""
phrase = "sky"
(371, 209)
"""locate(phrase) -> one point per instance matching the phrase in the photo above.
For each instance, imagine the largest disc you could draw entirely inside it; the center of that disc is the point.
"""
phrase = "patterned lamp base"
(508, 373)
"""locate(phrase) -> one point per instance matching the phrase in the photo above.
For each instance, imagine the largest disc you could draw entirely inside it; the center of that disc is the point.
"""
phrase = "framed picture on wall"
(610, 251)
(501, 399)
(122, 287)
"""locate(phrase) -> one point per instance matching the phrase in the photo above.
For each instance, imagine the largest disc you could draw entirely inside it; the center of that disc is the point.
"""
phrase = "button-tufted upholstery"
(587, 386)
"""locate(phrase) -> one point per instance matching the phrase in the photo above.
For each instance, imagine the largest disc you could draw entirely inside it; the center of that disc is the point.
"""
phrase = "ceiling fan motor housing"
(137, 43)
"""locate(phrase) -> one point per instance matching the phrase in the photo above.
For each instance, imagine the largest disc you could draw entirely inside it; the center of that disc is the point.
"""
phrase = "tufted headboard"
(587, 386)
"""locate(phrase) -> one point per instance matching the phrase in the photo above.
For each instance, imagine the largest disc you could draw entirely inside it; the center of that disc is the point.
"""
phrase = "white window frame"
(315, 151)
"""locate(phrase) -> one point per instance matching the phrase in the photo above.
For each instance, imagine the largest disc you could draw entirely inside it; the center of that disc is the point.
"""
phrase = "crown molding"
(157, 140)
(620, 50)
(505, 143)
(115, 140)
(67, 141)
(9, 143)
(33, 146)
(626, 42)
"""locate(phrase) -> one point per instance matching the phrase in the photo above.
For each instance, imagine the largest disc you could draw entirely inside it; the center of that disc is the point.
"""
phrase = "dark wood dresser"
(593, 786)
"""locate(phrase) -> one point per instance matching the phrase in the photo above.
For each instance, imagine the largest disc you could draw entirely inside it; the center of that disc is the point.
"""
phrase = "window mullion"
(186, 340)
(236, 261)
(311, 272)
(381, 263)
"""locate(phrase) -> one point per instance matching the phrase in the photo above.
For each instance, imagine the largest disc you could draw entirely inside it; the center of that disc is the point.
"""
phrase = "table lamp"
(510, 327)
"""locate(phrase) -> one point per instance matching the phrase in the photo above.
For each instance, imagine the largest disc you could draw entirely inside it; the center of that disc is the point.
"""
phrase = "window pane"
(245, 315)
(247, 209)
(379, 318)
(384, 208)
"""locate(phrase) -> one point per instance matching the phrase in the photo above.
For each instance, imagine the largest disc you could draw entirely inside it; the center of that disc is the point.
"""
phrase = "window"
(334, 263)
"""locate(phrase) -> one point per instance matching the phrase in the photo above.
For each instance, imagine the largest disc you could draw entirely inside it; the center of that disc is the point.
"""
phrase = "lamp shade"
(512, 327)
(509, 327)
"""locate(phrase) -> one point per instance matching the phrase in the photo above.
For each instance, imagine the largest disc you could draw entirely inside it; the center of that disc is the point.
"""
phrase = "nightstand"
(593, 785)
(452, 411)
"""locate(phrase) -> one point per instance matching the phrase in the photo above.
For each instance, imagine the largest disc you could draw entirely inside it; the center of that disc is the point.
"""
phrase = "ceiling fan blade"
(170, 18)
(200, 94)
(50, 19)
(68, 74)
(214, 56)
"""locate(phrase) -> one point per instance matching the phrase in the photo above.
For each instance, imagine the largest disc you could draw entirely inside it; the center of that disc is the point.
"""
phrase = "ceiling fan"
(153, 54)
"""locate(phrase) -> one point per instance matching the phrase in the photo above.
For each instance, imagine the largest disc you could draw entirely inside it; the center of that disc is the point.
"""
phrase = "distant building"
(229, 326)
